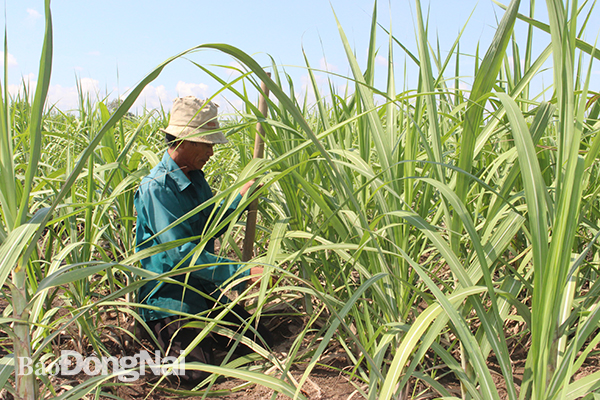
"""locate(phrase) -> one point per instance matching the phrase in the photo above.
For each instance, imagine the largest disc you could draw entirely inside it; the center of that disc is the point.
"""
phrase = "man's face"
(198, 154)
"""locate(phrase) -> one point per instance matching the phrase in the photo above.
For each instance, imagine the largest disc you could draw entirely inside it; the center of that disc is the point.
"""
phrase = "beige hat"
(190, 116)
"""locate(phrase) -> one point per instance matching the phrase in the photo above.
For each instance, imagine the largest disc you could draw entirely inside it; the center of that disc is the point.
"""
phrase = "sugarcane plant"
(412, 228)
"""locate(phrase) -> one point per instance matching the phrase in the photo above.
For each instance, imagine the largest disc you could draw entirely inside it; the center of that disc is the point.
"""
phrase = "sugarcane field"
(419, 223)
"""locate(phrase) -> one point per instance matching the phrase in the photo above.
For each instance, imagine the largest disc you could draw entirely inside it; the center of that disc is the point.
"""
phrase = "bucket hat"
(190, 117)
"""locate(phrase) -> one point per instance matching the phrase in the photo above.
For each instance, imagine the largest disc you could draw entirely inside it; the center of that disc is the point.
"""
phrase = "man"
(173, 188)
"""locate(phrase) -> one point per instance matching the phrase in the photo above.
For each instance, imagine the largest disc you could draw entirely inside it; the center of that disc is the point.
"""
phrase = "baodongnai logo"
(128, 368)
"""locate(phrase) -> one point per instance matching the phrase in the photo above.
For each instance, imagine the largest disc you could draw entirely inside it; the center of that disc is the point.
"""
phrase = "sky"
(109, 46)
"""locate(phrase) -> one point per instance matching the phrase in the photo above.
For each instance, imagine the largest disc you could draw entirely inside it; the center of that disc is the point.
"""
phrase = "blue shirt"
(164, 196)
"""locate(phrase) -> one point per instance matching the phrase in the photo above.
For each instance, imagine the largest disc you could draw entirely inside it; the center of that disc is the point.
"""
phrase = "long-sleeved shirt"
(164, 196)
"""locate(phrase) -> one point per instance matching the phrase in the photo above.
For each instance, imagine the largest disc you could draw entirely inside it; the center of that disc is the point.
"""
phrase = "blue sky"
(110, 45)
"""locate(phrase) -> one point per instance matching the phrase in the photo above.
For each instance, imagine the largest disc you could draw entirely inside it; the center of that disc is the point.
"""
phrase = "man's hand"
(255, 274)
(247, 186)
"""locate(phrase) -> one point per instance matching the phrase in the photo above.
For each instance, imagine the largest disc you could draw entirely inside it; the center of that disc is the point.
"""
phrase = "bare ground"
(325, 382)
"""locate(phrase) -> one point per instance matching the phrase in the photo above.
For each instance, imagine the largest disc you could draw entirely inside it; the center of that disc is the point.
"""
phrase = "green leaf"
(16, 242)
(7, 367)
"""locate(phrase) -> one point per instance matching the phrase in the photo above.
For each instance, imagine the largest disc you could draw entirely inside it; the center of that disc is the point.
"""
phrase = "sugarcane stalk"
(259, 150)
(25, 380)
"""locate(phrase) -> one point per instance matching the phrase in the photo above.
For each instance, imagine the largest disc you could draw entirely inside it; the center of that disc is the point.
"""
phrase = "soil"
(323, 383)
(327, 381)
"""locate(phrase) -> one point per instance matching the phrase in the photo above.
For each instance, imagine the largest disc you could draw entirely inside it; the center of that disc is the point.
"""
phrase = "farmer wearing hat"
(173, 188)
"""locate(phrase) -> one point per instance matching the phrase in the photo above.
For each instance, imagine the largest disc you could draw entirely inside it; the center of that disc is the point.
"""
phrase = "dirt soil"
(324, 382)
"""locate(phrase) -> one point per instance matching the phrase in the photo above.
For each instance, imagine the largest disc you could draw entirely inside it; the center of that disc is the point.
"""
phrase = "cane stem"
(259, 150)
